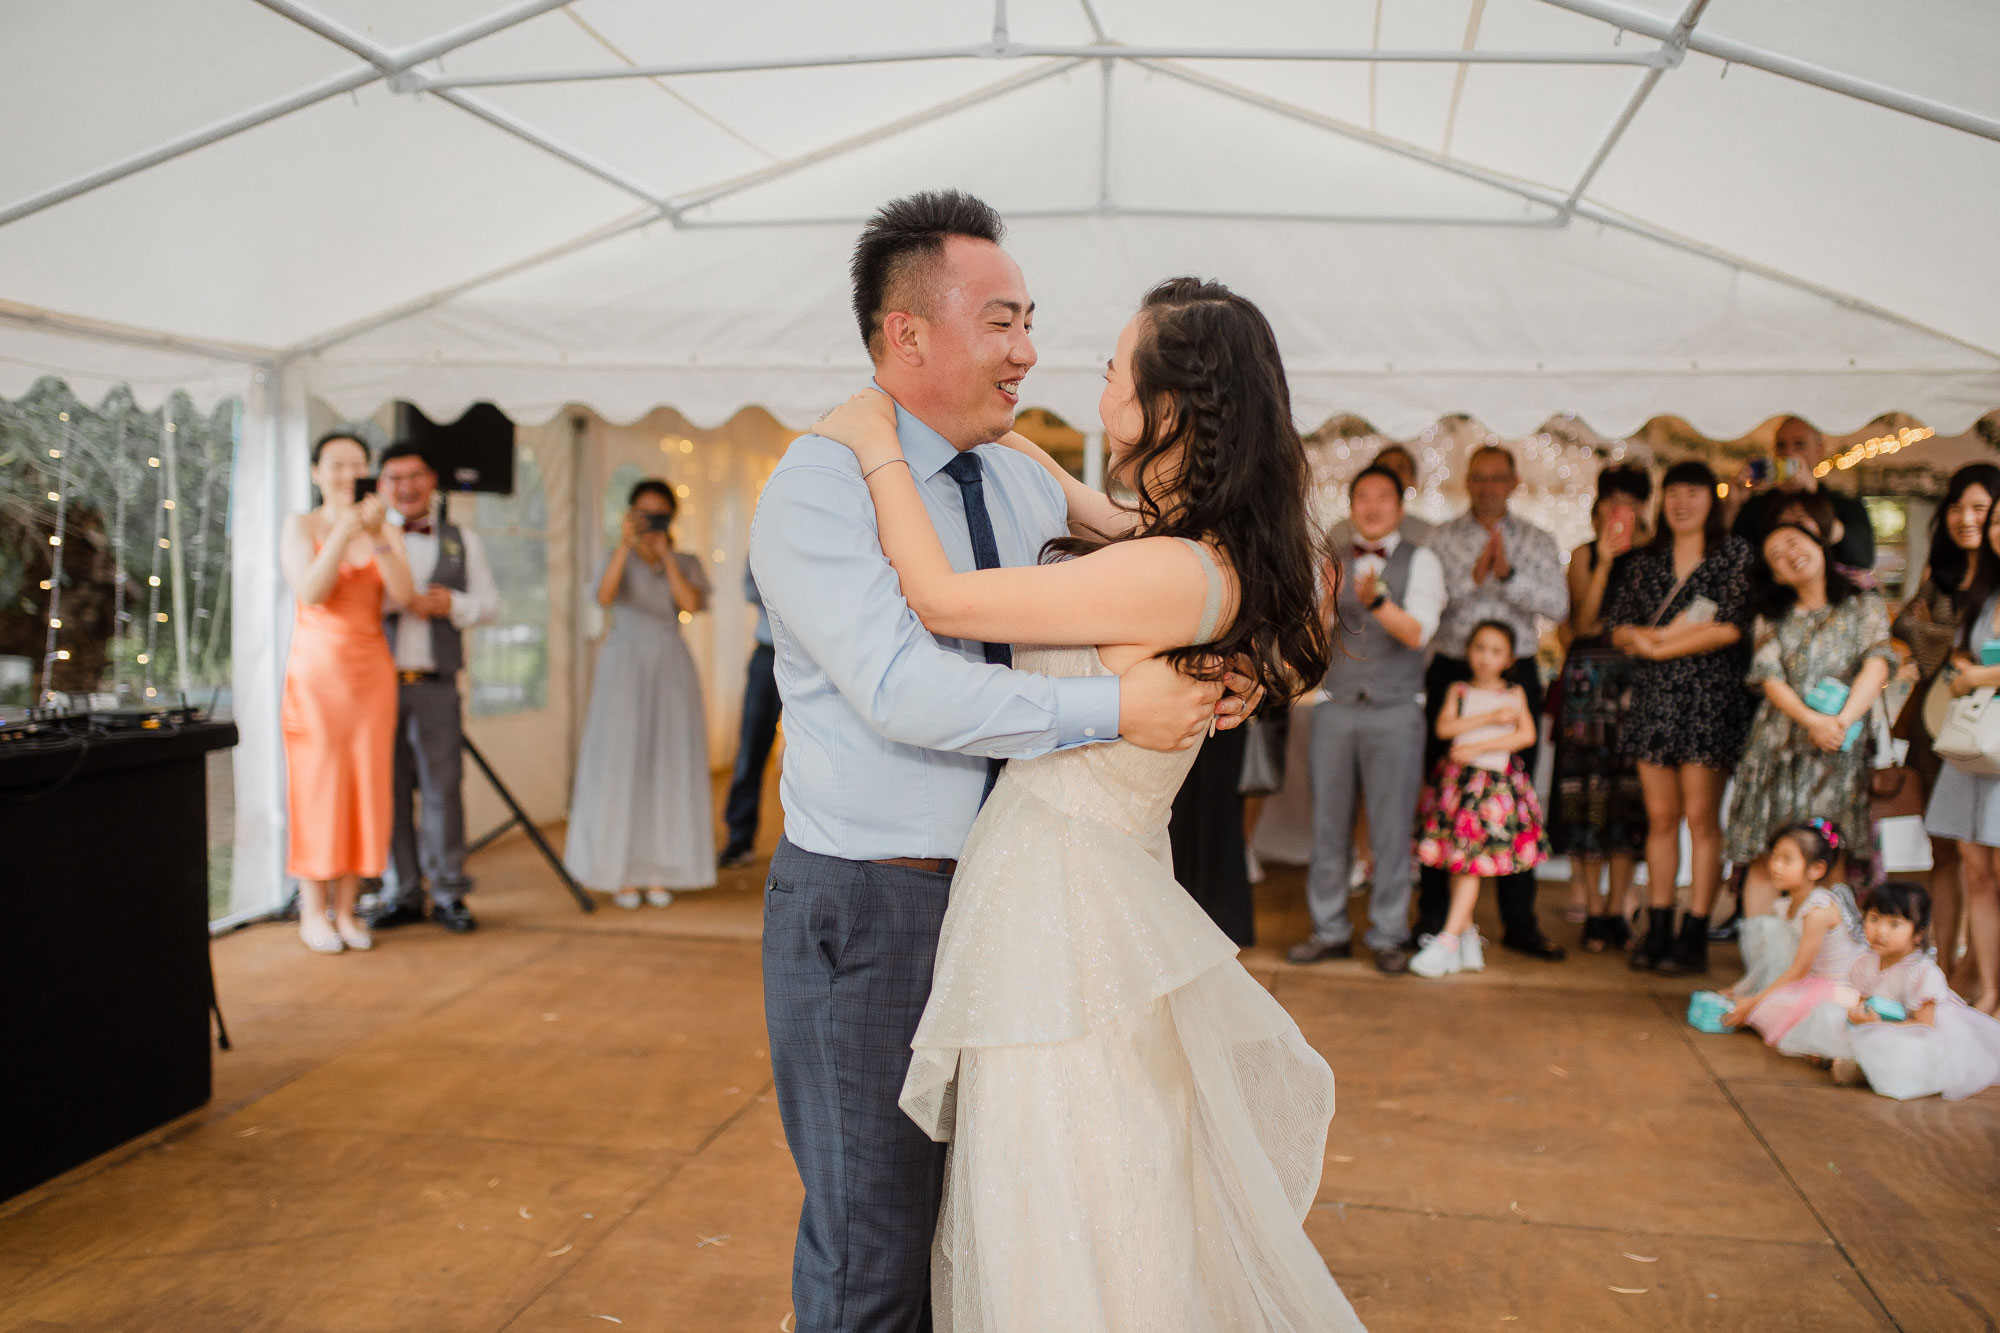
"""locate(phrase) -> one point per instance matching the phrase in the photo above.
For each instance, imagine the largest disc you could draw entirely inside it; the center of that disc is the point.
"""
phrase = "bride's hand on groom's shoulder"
(865, 423)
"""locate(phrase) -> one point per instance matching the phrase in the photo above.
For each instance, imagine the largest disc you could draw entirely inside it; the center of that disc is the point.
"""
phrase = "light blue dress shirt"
(888, 727)
(756, 599)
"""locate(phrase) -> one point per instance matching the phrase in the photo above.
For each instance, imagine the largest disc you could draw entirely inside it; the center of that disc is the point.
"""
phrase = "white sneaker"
(1438, 958)
(1471, 954)
(1253, 865)
(627, 899)
(658, 897)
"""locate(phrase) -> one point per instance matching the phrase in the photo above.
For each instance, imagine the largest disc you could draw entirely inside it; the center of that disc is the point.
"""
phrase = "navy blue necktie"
(965, 470)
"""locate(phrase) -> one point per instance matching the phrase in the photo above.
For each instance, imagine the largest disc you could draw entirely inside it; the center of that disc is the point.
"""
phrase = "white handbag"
(1970, 737)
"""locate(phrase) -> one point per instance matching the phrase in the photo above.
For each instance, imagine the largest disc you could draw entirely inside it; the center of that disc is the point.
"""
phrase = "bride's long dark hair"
(1218, 459)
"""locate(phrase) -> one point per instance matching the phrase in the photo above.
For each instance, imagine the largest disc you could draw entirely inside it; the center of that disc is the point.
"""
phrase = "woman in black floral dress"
(1681, 607)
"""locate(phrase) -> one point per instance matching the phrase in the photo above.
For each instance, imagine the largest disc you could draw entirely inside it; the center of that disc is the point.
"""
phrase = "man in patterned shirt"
(1496, 567)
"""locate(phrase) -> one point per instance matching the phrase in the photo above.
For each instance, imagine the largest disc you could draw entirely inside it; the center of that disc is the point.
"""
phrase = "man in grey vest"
(427, 637)
(1372, 720)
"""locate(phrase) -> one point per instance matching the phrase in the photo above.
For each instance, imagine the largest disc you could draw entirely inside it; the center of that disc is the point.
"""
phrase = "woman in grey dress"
(641, 813)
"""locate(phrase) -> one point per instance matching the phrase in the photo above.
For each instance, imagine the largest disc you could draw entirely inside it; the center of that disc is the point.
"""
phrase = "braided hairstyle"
(1218, 459)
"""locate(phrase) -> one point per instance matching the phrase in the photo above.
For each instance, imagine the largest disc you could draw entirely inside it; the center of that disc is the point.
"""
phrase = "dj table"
(105, 985)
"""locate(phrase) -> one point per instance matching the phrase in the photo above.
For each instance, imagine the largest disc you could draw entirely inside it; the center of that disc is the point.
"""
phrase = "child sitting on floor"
(1478, 815)
(1929, 1042)
(1798, 956)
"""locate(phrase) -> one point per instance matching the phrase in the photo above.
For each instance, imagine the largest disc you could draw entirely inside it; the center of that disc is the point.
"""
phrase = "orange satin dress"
(340, 731)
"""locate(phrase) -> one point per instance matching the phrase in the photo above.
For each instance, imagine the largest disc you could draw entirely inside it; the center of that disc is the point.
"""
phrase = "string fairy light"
(1879, 447)
(50, 653)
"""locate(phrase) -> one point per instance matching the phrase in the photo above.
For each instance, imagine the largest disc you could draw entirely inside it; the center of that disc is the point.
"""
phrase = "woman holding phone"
(641, 815)
(1597, 812)
(1681, 609)
(341, 561)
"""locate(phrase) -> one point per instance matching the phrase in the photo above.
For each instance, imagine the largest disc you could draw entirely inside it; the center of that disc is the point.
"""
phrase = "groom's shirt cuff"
(1086, 710)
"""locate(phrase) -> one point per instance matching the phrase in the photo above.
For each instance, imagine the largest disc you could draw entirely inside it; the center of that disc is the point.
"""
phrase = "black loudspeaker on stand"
(520, 817)
(473, 453)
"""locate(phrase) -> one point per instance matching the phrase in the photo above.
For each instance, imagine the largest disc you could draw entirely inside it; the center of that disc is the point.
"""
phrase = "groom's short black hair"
(903, 239)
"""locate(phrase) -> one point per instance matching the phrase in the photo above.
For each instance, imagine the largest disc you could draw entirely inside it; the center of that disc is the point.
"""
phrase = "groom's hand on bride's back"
(1160, 709)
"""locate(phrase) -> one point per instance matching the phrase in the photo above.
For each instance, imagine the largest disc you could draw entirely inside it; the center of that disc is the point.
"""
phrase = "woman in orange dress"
(340, 559)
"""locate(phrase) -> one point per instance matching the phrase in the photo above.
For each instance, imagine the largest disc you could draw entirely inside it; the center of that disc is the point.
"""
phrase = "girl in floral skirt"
(1478, 816)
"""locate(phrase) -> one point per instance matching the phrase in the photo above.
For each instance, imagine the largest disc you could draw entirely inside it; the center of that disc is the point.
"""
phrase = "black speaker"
(473, 453)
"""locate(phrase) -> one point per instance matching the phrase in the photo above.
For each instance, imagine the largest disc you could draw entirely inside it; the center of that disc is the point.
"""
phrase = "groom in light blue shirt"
(891, 734)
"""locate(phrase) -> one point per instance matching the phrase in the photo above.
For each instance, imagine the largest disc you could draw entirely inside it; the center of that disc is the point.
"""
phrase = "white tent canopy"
(1506, 208)
(1503, 207)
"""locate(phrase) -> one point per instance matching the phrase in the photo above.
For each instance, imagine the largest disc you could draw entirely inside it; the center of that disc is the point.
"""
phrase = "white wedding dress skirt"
(1137, 1128)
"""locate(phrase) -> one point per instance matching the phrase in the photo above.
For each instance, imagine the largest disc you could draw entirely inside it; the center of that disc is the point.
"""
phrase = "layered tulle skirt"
(1955, 1056)
(1137, 1128)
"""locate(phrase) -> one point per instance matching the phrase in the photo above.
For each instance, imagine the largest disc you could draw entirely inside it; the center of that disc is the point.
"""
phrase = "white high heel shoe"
(320, 937)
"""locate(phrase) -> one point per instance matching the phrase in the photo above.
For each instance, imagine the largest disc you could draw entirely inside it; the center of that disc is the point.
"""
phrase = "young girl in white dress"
(1924, 1041)
(1136, 1128)
(1478, 815)
(1797, 956)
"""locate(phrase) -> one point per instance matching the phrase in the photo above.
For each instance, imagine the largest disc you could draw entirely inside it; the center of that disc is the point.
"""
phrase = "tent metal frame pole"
(431, 300)
(1587, 212)
(671, 212)
(406, 80)
(1543, 223)
(777, 171)
(1845, 300)
(1332, 125)
(97, 331)
(1007, 50)
(1096, 24)
(1104, 68)
(1771, 62)
(315, 93)
(1674, 48)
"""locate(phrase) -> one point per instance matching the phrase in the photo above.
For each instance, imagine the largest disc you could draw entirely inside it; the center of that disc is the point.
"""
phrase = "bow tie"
(1363, 548)
(420, 526)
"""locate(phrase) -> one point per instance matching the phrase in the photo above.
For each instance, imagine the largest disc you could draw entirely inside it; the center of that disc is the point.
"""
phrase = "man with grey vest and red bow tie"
(427, 637)
(1371, 719)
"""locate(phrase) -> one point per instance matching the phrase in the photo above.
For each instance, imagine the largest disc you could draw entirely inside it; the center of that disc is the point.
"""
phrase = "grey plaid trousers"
(848, 951)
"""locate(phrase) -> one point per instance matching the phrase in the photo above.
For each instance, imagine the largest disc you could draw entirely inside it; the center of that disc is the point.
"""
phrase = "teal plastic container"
(1707, 1009)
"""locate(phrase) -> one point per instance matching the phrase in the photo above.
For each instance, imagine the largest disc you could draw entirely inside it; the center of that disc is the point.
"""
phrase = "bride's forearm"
(908, 536)
(1087, 508)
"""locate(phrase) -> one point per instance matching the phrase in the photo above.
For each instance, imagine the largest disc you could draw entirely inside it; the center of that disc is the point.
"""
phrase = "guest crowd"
(1722, 689)
(386, 587)
(1709, 660)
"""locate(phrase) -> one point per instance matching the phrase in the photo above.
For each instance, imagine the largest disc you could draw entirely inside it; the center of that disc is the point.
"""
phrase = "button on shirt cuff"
(1086, 709)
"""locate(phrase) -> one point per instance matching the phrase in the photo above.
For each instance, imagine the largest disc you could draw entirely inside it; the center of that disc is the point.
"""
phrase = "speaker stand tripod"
(520, 817)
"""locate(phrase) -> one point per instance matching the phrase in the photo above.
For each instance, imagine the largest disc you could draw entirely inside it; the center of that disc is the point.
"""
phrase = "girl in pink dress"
(1478, 816)
(1908, 1035)
(1797, 957)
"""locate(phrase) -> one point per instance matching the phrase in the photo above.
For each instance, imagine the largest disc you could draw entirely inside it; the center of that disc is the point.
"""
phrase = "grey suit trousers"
(429, 763)
(848, 952)
(1380, 747)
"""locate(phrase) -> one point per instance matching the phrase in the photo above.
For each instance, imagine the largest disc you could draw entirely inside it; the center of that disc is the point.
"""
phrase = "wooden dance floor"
(565, 1122)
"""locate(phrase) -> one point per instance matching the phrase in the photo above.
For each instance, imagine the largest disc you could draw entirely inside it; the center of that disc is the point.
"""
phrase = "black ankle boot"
(1659, 941)
(1690, 953)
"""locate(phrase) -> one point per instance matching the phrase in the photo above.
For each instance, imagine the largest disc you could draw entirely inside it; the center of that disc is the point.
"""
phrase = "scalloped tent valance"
(1506, 208)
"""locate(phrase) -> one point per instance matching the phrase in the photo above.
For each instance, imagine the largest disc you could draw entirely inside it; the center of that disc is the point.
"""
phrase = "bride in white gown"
(1137, 1128)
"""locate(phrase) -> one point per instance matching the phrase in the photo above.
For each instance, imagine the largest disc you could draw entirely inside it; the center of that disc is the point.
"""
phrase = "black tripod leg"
(215, 1007)
(548, 853)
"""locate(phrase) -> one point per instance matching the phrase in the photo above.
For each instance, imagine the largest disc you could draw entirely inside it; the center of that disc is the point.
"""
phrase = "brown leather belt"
(936, 865)
(414, 677)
